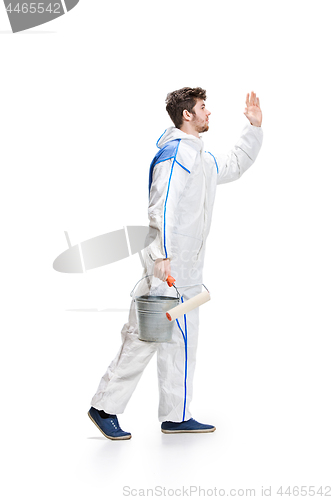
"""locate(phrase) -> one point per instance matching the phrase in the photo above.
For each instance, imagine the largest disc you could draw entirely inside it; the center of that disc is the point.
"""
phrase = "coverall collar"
(173, 133)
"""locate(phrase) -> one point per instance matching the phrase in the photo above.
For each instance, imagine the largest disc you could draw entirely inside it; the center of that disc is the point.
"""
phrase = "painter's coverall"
(183, 180)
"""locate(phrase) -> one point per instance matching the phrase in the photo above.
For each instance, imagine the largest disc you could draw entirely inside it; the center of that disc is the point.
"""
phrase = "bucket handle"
(172, 280)
(194, 284)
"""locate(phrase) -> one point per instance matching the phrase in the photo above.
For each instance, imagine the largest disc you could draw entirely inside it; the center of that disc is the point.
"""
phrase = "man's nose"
(208, 112)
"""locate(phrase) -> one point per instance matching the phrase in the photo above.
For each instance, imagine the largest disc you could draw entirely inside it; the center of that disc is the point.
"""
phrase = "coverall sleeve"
(232, 165)
(169, 180)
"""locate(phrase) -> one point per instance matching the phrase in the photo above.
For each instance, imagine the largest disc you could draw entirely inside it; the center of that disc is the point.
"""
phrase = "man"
(182, 183)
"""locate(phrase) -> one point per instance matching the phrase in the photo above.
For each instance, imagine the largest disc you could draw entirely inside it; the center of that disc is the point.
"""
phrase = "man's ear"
(187, 115)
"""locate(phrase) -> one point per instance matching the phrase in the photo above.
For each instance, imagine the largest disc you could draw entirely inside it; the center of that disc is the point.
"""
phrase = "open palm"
(252, 111)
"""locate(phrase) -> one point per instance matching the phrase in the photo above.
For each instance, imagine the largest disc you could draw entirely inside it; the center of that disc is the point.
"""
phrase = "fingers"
(252, 100)
(158, 269)
(160, 273)
(162, 269)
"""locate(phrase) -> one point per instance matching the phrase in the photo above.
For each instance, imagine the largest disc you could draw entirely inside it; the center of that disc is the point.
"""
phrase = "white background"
(81, 109)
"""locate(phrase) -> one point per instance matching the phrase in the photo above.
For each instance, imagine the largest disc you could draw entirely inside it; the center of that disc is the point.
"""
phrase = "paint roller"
(187, 306)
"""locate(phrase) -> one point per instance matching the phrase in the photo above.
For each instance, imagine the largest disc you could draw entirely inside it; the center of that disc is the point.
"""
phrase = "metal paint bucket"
(153, 325)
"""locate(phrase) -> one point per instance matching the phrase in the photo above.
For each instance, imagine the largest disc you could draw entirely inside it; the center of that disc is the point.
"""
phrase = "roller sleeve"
(187, 306)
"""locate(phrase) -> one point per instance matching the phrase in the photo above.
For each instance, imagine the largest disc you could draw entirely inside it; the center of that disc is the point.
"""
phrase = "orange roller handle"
(170, 280)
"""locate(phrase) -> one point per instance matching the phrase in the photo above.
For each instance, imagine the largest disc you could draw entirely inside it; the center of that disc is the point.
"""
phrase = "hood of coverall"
(173, 133)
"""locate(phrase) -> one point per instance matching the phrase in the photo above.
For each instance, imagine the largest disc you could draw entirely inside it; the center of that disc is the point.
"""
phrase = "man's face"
(200, 117)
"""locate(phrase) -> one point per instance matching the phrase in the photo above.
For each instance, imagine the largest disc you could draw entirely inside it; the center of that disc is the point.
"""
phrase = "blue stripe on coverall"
(160, 157)
(185, 343)
(166, 255)
(166, 199)
(217, 168)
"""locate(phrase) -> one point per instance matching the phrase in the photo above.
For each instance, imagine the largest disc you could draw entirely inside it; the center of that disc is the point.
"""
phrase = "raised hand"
(252, 111)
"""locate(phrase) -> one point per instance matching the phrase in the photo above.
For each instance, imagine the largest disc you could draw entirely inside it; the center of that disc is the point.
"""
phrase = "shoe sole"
(188, 432)
(121, 438)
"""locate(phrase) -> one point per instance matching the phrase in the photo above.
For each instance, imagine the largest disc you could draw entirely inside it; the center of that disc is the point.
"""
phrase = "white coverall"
(183, 180)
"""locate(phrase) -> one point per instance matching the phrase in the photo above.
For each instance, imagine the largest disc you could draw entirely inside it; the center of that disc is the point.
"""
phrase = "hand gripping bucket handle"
(153, 325)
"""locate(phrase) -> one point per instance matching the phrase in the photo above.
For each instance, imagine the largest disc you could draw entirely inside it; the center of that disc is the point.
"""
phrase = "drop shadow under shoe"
(186, 426)
(108, 425)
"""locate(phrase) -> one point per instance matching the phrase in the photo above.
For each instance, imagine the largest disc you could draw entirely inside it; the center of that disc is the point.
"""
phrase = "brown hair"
(185, 98)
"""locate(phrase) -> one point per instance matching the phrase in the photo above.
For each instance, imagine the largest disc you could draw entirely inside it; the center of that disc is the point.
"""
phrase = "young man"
(182, 184)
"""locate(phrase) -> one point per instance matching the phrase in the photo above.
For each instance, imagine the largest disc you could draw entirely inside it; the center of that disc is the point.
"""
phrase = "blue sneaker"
(186, 426)
(108, 426)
